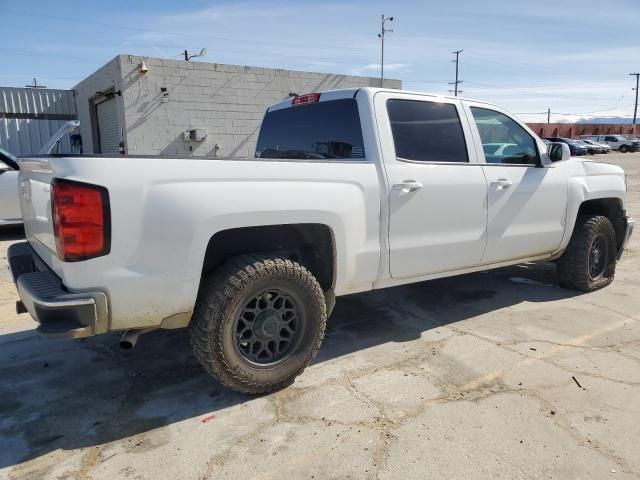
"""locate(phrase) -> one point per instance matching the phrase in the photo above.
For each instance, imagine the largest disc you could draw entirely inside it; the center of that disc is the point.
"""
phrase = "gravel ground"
(498, 374)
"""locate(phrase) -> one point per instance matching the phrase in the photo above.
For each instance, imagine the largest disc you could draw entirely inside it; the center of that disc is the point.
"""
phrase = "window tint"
(515, 145)
(427, 131)
(313, 131)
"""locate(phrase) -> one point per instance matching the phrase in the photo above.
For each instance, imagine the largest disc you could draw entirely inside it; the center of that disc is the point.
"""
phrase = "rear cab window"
(320, 131)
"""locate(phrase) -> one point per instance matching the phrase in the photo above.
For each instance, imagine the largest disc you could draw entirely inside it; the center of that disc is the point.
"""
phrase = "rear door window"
(323, 130)
(427, 131)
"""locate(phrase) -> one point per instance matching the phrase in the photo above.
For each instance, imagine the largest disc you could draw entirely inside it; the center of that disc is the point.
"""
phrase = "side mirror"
(559, 152)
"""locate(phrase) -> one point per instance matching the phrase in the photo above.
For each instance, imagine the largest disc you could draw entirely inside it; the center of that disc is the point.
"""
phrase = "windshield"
(314, 131)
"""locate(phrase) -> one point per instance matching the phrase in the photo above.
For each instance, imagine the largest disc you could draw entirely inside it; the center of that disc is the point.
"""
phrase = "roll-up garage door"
(108, 130)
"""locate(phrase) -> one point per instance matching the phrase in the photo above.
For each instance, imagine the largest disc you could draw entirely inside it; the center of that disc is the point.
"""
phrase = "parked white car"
(350, 190)
(603, 147)
(616, 142)
(9, 200)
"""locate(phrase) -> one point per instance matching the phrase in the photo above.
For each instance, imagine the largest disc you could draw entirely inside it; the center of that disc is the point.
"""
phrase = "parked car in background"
(9, 200)
(591, 149)
(635, 139)
(499, 149)
(616, 142)
(574, 148)
(600, 147)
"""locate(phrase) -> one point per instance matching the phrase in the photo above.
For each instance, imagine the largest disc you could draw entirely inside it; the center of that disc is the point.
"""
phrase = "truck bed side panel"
(164, 211)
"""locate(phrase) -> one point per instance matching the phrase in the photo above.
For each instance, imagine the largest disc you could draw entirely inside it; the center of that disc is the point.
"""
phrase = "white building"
(153, 106)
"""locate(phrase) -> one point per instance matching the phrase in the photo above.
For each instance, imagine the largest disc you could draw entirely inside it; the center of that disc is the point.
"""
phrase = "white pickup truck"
(350, 190)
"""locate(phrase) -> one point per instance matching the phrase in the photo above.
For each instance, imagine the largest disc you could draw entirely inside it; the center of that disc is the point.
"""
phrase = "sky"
(571, 56)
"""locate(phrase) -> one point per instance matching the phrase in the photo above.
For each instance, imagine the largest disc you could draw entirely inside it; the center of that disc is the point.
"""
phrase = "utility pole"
(35, 85)
(635, 109)
(381, 37)
(455, 84)
(548, 115)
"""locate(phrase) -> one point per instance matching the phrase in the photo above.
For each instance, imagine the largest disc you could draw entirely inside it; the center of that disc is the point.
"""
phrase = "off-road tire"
(573, 265)
(222, 297)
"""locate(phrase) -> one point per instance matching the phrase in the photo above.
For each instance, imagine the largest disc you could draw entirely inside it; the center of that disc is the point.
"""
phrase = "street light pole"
(381, 37)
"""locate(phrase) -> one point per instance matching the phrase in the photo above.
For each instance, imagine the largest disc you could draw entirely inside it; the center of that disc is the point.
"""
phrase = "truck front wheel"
(258, 322)
(589, 262)
(624, 149)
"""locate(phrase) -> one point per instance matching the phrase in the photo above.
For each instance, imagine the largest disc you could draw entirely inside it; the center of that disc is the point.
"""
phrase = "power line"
(538, 87)
(138, 29)
(574, 113)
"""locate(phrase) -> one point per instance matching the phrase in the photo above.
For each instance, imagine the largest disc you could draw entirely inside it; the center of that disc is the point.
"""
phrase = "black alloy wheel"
(269, 327)
(598, 255)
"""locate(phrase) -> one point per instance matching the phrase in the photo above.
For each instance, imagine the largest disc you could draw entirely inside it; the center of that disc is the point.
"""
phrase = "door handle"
(407, 186)
(501, 184)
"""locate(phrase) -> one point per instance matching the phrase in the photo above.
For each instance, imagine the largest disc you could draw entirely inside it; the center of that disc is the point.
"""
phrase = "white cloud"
(374, 68)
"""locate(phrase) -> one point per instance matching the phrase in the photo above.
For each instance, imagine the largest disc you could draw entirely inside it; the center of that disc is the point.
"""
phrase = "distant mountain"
(616, 120)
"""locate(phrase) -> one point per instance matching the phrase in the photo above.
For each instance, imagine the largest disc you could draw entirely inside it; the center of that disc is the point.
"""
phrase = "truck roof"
(328, 95)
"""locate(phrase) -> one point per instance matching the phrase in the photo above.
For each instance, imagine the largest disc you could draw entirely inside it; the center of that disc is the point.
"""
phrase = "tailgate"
(35, 201)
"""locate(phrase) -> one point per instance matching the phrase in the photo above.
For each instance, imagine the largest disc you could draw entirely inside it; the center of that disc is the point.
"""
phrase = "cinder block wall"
(228, 101)
(106, 77)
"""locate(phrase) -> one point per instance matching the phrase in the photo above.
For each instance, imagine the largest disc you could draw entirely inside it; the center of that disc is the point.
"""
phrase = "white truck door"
(437, 190)
(527, 204)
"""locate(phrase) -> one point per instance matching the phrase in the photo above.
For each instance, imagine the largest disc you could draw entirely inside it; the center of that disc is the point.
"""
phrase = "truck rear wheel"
(623, 149)
(589, 262)
(258, 322)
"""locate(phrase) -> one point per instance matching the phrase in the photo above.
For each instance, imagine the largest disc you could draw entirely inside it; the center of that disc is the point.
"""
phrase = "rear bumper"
(60, 314)
(627, 235)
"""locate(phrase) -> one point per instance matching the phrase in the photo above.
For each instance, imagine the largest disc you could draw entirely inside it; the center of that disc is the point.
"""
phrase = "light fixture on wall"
(142, 68)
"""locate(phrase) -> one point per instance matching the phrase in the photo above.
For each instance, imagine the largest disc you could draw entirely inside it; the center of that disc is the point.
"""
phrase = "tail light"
(306, 98)
(81, 220)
